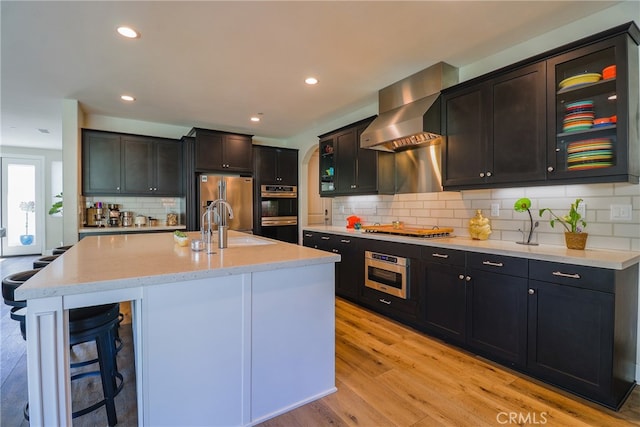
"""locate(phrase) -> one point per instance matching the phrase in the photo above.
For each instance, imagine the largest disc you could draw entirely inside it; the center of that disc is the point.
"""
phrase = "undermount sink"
(246, 241)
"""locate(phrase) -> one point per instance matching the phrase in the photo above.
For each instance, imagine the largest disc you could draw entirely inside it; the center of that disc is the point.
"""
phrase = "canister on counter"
(172, 219)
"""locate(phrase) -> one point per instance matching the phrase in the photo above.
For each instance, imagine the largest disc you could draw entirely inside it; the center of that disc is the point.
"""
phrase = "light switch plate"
(621, 212)
(495, 209)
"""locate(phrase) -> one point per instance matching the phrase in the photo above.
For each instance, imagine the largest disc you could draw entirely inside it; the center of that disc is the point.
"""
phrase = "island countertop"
(98, 263)
(611, 259)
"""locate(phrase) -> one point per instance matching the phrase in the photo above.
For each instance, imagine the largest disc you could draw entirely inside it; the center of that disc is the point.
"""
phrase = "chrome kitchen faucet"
(220, 209)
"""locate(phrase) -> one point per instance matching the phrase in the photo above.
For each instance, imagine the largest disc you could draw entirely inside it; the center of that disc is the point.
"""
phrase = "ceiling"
(215, 64)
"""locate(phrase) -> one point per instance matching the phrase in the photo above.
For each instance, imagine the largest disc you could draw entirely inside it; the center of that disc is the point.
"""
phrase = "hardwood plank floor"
(387, 375)
(390, 375)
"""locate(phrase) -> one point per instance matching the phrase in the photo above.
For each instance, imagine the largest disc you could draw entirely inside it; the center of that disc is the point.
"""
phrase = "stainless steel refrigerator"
(239, 194)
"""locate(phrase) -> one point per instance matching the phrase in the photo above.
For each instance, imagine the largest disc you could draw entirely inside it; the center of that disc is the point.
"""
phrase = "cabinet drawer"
(387, 304)
(498, 264)
(598, 279)
(443, 256)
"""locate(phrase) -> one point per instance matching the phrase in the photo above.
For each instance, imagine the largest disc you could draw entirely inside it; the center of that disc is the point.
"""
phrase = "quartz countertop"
(132, 229)
(101, 262)
(616, 260)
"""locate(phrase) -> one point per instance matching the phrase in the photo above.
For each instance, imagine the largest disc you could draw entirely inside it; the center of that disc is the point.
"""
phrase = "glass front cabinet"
(593, 117)
(327, 166)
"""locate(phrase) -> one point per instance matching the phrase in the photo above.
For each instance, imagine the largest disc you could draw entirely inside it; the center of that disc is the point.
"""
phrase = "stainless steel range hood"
(409, 111)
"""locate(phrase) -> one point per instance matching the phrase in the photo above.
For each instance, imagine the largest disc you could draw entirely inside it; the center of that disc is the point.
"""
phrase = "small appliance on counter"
(140, 221)
(114, 215)
(127, 218)
(95, 216)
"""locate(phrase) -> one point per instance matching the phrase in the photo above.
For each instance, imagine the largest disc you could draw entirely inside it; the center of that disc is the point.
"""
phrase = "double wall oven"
(279, 212)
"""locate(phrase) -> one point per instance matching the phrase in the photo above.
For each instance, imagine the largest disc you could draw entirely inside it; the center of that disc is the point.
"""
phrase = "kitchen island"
(227, 338)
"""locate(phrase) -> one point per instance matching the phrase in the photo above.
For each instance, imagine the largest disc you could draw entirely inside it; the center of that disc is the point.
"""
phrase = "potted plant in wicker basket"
(573, 223)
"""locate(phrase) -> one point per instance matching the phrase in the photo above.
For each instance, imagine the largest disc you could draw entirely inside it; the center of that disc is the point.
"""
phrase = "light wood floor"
(386, 375)
(390, 375)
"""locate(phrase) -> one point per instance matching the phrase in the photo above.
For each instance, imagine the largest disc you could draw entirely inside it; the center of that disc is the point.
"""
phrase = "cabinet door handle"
(461, 277)
(437, 255)
(118, 188)
(493, 264)
(488, 173)
(550, 169)
(481, 174)
(467, 278)
(384, 301)
(532, 291)
(345, 241)
(325, 238)
(569, 275)
(335, 251)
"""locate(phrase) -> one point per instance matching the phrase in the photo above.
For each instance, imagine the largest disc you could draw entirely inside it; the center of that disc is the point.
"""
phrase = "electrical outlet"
(621, 212)
(495, 209)
(341, 209)
(582, 210)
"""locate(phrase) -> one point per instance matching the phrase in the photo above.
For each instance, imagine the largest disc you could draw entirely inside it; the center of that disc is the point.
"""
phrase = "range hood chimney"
(409, 111)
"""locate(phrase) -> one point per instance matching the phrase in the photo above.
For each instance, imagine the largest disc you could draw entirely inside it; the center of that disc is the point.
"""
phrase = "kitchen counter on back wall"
(610, 259)
(133, 229)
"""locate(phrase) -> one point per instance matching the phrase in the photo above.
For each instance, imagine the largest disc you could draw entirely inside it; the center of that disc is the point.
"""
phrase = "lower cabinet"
(582, 329)
(477, 301)
(350, 269)
(571, 326)
(497, 307)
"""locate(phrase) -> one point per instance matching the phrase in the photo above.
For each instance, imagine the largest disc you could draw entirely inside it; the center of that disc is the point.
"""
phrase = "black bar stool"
(44, 261)
(60, 250)
(98, 324)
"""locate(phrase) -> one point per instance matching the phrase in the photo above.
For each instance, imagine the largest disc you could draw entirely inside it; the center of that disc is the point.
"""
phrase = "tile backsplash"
(455, 209)
(155, 207)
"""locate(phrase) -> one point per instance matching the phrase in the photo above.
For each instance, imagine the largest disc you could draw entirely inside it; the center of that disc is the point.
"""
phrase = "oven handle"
(265, 222)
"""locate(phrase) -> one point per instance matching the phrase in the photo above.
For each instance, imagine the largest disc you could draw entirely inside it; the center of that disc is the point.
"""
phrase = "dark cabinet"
(275, 165)
(593, 132)
(497, 307)
(547, 120)
(478, 301)
(116, 163)
(496, 130)
(350, 269)
(582, 329)
(445, 294)
(347, 169)
(101, 154)
(222, 152)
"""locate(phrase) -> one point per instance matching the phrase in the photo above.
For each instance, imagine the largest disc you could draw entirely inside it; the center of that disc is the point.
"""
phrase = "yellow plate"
(580, 79)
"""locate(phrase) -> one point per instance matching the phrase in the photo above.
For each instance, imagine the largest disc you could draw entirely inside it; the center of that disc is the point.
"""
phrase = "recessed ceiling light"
(255, 119)
(128, 98)
(311, 81)
(128, 32)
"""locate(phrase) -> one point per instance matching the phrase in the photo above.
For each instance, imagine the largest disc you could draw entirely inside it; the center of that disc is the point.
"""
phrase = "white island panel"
(194, 353)
(293, 340)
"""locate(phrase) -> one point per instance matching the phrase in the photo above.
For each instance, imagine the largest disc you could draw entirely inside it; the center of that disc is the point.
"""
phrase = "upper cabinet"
(496, 130)
(222, 152)
(275, 165)
(593, 112)
(115, 163)
(347, 169)
(550, 119)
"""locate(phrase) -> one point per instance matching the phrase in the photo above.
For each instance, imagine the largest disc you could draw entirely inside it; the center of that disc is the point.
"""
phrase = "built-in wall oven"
(386, 273)
(279, 212)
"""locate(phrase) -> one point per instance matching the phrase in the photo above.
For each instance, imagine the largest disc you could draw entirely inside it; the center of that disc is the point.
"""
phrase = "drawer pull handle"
(335, 251)
(345, 241)
(325, 238)
(437, 255)
(571, 276)
(531, 291)
(308, 235)
(384, 301)
(494, 264)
